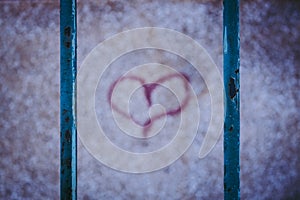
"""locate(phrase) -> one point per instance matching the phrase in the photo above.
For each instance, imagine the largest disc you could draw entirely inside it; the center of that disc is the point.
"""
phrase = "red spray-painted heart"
(148, 91)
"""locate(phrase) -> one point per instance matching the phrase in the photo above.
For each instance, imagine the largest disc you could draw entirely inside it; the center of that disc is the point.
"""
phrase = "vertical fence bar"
(232, 101)
(68, 133)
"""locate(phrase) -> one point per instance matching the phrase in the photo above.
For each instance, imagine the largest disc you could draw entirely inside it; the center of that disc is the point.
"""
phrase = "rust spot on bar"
(69, 191)
(68, 163)
(232, 88)
(68, 44)
(68, 136)
(67, 31)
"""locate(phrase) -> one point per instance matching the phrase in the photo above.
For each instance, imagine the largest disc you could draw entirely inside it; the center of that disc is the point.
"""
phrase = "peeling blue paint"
(225, 40)
(68, 71)
(232, 100)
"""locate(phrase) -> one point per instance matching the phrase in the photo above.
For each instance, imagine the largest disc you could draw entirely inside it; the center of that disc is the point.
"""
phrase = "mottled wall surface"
(270, 121)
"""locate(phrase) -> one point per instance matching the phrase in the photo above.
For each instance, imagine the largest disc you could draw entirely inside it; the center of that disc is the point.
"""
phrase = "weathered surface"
(231, 64)
(68, 71)
(29, 87)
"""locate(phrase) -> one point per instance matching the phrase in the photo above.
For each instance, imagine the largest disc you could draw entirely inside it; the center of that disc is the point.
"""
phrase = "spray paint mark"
(149, 88)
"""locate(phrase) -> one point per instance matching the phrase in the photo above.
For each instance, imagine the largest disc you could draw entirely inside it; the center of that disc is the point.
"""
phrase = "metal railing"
(68, 133)
(68, 70)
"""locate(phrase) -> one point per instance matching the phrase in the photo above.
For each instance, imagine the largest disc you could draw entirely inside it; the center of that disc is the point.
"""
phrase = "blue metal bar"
(68, 133)
(232, 99)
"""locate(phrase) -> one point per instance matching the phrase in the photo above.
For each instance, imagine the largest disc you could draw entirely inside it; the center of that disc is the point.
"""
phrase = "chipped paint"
(225, 40)
(68, 143)
(232, 110)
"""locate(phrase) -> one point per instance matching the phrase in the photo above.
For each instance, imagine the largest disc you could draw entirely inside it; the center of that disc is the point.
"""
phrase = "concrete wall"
(29, 96)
